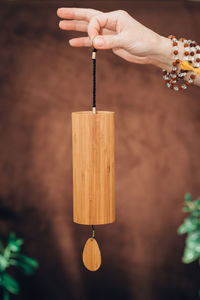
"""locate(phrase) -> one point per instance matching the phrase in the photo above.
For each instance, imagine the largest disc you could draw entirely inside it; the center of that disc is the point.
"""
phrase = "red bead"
(180, 87)
(166, 81)
(198, 60)
(171, 86)
(187, 83)
(174, 63)
(186, 45)
(186, 53)
(198, 51)
(175, 52)
(192, 53)
(175, 43)
(192, 76)
(177, 61)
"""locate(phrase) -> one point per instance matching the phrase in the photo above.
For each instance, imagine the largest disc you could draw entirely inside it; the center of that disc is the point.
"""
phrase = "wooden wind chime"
(93, 172)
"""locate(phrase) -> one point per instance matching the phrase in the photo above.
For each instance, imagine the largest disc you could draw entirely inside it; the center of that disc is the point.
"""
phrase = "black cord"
(94, 100)
(93, 232)
(94, 76)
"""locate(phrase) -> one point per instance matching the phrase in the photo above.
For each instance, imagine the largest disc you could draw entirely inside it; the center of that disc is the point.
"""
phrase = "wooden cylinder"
(93, 167)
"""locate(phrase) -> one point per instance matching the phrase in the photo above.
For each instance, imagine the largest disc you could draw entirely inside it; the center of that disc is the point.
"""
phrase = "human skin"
(121, 33)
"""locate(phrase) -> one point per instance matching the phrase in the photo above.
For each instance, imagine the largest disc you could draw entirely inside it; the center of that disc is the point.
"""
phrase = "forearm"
(163, 58)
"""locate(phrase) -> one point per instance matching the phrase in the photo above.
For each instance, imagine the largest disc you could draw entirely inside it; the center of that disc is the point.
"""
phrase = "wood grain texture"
(93, 167)
(91, 255)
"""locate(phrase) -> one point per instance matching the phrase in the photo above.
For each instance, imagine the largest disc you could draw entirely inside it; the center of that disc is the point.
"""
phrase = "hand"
(118, 31)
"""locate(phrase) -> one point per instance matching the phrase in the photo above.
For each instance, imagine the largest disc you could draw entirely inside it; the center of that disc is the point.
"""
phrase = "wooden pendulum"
(93, 172)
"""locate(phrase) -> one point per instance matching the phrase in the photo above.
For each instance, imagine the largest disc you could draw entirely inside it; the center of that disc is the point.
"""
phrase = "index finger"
(76, 13)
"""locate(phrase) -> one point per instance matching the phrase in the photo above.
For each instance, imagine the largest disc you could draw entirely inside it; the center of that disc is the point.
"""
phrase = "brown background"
(42, 80)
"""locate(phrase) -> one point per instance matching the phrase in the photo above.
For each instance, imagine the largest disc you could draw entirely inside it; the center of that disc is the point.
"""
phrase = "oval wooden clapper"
(91, 255)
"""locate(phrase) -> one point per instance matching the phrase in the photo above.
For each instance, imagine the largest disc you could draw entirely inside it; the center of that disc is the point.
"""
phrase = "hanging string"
(94, 51)
(93, 232)
(94, 80)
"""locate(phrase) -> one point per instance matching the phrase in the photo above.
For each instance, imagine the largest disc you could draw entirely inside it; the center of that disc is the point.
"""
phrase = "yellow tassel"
(185, 65)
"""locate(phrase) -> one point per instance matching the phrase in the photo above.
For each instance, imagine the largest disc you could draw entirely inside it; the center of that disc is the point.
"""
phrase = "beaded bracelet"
(190, 61)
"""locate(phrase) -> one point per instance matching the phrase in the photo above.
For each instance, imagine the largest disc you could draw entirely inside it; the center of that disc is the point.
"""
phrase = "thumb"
(106, 41)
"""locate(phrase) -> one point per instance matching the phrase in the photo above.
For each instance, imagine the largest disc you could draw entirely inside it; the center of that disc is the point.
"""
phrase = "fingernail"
(99, 41)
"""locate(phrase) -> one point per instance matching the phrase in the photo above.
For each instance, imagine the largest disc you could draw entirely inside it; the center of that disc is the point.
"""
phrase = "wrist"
(163, 56)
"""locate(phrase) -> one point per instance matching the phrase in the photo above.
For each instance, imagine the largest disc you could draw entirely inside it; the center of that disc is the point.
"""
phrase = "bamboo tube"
(93, 167)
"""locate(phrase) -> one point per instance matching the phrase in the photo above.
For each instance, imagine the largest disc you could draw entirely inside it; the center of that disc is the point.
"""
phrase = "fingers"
(74, 25)
(81, 26)
(80, 42)
(101, 20)
(95, 23)
(109, 42)
(76, 13)
(106, 41)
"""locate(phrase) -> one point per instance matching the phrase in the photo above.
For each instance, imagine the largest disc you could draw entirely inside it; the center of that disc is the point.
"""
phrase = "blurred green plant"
(191, 227)
(11, 256)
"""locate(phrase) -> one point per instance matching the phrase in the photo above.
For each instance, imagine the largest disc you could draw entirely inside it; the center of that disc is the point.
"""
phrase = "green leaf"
(196, 213)
(190, 255)
(12, 237)
(6, 295)
(195, 245)
(187, 209)
(197, 204)
(4, 263)
(14, 247)
(10, 284)
(27, 269)
(190, 224)
(182, 229)
(193, 236)
(188, 197)
(1, 279)
(28, 260)
(1, 247)
(19, 242)
(14, 244)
